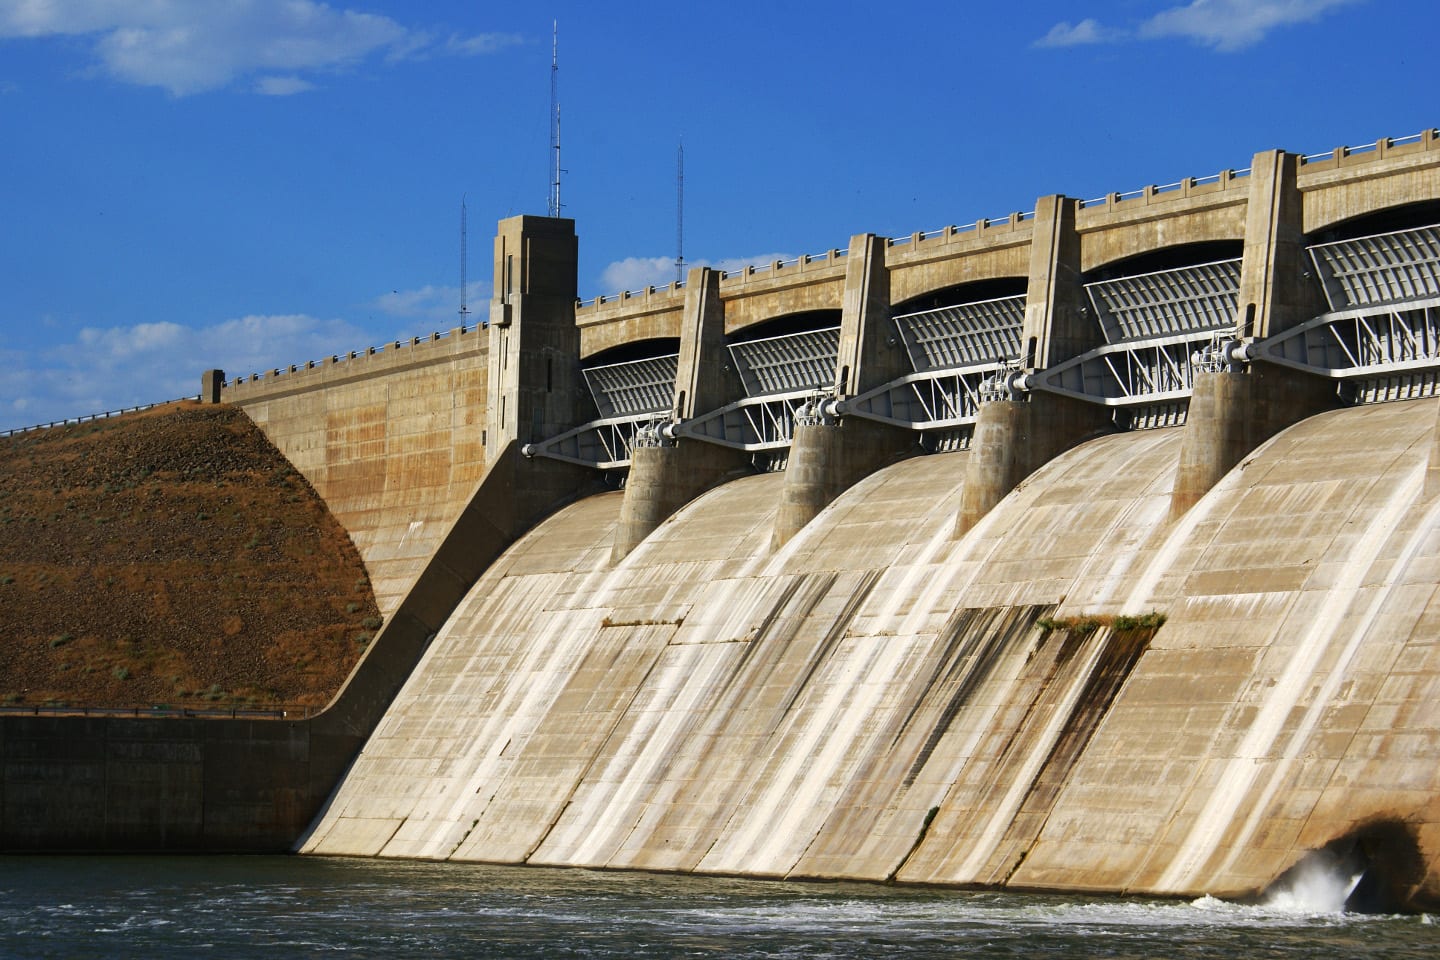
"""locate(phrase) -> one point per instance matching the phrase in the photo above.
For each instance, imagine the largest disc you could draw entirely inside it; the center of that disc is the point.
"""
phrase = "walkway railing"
(70, 421)
(389, 346)
(1182, 186)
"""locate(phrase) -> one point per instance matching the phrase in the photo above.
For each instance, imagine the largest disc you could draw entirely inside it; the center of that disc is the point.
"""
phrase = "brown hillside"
(171, 557)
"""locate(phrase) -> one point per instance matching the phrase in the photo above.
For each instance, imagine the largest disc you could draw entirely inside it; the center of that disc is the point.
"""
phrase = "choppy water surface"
(240, 907)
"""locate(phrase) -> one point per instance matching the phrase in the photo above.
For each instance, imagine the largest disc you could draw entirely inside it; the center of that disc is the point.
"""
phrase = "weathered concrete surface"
(705, 706)
(95, 784)
(1012, 439)
(663, 479)
(393, 442)
(1290, 697)
(536, 667)
(826, 459)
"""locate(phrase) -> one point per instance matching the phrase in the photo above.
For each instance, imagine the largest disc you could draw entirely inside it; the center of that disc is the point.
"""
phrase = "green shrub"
(1144, 621)
(1089, 623)
(121, 673)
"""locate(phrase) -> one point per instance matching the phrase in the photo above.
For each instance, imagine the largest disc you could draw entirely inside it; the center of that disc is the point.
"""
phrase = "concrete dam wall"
(392, 439)
(882, 595)
(878, 699)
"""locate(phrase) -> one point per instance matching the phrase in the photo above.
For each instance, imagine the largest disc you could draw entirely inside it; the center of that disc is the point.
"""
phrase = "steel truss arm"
(753, 424)
(1360, 343)
(1388, 349)
(1129, 374)
(931, 400)
(602, 444)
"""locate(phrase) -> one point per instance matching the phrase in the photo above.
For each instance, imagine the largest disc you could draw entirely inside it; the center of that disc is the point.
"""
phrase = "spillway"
(880, 700)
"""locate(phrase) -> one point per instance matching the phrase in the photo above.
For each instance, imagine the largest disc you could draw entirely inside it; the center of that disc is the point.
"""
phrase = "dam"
(1095, 548)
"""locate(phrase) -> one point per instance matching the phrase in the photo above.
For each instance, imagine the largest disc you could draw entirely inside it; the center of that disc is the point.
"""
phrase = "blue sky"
(251, 183)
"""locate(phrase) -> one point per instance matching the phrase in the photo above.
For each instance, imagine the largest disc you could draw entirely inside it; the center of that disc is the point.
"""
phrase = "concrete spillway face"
(703, 705)
(1281, 707)
(878, 699)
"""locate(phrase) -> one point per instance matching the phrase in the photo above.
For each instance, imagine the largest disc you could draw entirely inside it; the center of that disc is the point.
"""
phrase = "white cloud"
(438, 305)
(282, 86)
(482, 43)
(189, 47)
(637, 273)
(1226, 25)
(108, 368)
(1065, 34)
(1229, 25)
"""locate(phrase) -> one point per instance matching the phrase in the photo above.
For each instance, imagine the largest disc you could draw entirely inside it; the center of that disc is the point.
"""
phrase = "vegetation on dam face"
(171, 557)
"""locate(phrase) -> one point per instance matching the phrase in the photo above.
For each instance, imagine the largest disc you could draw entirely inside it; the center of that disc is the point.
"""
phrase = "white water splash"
(1320, 883)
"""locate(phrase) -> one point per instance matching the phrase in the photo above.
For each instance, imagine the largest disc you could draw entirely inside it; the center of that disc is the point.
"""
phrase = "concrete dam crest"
(878, 700)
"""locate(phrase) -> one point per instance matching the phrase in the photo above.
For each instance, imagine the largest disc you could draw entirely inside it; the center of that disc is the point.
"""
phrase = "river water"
(254, 907)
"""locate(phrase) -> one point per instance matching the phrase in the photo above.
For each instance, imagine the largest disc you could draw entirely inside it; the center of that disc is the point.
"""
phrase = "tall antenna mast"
(555, 119)
(464, 309)
(680, 213)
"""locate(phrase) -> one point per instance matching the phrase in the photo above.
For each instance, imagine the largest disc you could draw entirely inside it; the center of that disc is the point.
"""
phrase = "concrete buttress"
(1233, 411)
(828, 455)
(666, 476)
(1015, 437)
(535, 388)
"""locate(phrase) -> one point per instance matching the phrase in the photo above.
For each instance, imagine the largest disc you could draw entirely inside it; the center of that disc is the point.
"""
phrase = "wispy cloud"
(108, 368)
(1225, 25)
(186, 47)
(436, 304)
(282, 86)
(1229, 25)
(482, 43)
(637, 273)
(1066, 34)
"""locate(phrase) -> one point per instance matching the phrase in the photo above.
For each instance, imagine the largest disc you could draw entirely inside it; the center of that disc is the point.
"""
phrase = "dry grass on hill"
(171, 557)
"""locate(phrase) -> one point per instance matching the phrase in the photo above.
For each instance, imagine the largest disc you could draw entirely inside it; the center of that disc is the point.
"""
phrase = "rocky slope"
(171, 557)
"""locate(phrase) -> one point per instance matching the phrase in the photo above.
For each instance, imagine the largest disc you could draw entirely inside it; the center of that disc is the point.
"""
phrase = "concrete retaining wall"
(393, 441)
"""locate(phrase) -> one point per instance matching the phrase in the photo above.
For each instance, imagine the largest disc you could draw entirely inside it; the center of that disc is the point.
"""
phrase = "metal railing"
(89, 418)
(774, 266)
(1384, 143)
(388, 347)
